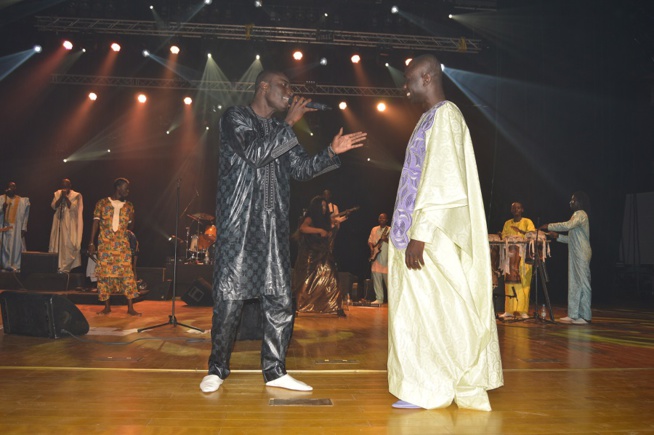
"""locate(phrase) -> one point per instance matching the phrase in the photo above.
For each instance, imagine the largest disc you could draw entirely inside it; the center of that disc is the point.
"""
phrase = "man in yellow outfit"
(517, 282)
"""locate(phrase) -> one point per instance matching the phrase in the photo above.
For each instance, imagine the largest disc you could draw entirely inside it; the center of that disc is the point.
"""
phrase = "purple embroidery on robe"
(410, 179)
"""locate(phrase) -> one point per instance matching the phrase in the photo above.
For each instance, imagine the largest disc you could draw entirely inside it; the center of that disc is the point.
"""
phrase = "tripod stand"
(172, 320)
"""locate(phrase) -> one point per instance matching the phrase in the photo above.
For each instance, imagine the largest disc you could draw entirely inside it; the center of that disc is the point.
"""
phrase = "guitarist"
(378, 244)
(337, 219)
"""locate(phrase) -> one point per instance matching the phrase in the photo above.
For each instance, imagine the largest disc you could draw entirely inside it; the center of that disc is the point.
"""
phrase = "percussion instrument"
(199, 243)
(193, 245)
(514, 248)
(208, 238)
(494, 240)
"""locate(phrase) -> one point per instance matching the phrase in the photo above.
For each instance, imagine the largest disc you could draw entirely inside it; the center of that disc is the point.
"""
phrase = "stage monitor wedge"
(41, 315)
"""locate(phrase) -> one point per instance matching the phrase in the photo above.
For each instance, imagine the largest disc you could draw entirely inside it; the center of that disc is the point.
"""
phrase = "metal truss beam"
(220, 86)
(259, 33)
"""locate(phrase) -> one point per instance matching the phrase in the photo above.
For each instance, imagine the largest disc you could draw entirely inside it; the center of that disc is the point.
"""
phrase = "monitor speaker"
(41, 315)
(199, 294)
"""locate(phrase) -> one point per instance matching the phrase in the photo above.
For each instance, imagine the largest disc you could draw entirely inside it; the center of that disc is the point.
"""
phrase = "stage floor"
(558, 379)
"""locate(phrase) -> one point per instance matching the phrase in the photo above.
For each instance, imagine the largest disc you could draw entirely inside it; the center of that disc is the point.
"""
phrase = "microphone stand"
(172, 320)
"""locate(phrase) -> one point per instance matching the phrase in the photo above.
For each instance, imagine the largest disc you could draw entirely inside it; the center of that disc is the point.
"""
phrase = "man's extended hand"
(413, 255)
(343, 143)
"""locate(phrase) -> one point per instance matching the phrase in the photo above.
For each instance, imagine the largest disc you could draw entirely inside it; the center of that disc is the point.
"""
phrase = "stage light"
(108, 151)
(442, 67)
(142, 98)
(38, 49)
(394, 10)
(258, 3)
(145, 53)
(93, 96)
(83, 50)
(326, 14)
(355, 58)
(206, 128)
(342, 105)
(65, 160)
(209, 55)
(174, 49)
(368, 159)
(167, 131)
(311, 134)
(68, 45)
(115, 47)
(407, 61)
(450, 16)
(208, 2)
(387, 65)
(297, 55)
(188, 101)
(151, 7)
(381, 107)
(257, 57)
(323, 61)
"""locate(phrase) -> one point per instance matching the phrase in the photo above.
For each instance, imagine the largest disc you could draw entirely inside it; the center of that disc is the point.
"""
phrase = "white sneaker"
(565, 319)
(524, 315)
(290, 383)
(210, 383)
(579, 321)
(506, 316)
(377, 302)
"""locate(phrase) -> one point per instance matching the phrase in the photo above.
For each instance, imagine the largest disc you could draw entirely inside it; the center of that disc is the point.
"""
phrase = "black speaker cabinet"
(40, 315)
(160, 291)
(199, 294)
(38, 262)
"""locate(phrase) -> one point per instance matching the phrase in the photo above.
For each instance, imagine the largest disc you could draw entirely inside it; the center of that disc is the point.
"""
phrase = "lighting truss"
(258, 33)
(220, 86)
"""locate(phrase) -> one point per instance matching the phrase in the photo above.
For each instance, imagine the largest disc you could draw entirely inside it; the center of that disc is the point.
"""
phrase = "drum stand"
(539, 268)
(172, 320)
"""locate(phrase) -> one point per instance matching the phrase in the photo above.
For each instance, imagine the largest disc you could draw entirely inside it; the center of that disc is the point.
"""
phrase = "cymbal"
(200, 216)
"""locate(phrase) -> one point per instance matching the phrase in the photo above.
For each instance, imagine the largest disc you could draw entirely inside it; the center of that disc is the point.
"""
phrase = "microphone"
(319, 106)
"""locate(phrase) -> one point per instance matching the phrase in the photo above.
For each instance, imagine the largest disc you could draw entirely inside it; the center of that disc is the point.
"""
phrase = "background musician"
(517, 283)
(378, 244)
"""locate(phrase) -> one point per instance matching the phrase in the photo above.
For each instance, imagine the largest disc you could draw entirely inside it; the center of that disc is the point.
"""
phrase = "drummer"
(517, 282)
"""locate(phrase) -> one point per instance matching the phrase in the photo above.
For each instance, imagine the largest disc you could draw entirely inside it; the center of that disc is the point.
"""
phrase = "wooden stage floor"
(558, 379)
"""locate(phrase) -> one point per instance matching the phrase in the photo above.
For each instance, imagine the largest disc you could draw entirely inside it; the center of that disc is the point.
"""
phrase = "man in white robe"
(67, 226)
(579, 255)
(14, 213)
(443, 344)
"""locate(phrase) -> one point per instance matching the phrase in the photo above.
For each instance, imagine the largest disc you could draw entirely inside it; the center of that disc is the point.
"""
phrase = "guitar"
(378, 246)
(347, 212)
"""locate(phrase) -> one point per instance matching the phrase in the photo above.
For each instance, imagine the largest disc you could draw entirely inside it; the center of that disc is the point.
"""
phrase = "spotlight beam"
(10, 63)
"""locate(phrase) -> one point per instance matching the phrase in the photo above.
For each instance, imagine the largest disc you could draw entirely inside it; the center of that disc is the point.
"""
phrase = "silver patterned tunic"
(257, 159)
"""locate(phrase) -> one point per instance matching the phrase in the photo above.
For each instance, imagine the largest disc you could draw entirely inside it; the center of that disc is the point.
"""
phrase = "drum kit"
(200, 238)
